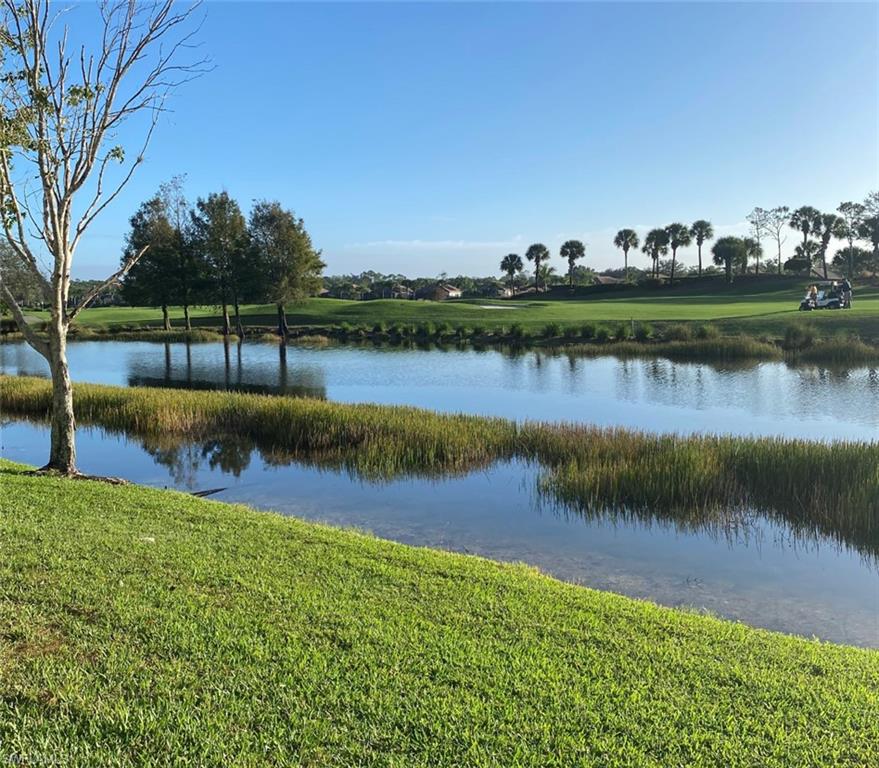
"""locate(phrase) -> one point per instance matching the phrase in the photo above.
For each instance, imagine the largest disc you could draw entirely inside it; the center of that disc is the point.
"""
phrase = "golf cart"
(825, 294)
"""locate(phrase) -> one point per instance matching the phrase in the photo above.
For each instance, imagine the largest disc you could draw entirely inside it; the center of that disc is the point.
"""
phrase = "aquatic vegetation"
(830, 488)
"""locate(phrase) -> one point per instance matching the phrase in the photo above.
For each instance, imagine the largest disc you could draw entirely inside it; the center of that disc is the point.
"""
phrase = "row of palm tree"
(852, 221)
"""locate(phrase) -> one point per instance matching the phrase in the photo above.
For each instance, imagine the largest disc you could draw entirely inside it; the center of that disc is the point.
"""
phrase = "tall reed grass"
(832, 489)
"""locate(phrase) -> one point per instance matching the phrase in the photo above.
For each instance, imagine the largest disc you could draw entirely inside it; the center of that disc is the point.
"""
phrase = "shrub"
(479, 330)
(517, 331)
(380, 327)
(587, 331)
(399, 329)
(677, 332)
(425, 330)
(345, 329)
(443, 329)
(643, 331)
(570, 332)
(602, 335)
(705, 331)
(621, 332)
(798, 337)
(551, 330)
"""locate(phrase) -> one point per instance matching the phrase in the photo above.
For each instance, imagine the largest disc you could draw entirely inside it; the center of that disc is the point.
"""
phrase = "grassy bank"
(144, 626)
(819, 487)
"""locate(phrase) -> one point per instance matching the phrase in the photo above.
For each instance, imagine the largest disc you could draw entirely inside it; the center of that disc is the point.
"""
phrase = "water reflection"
(747, 566)
(761, 398)
(300, 382)
(852, 528)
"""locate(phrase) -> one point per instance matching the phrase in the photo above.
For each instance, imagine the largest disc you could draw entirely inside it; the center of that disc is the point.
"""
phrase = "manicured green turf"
(145, 627)
(753, 306)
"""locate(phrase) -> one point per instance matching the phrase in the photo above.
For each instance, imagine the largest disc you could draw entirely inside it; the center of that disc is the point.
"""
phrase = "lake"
(758, 571)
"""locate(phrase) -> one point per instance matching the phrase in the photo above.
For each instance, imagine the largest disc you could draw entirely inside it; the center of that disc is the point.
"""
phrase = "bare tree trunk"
(824, 261)
(227, 327)
(674, 256)
(62, 451)
(239, 328)
(625, 264)
(186, 320)
(282, 322)
(166, 321)
(700, 260)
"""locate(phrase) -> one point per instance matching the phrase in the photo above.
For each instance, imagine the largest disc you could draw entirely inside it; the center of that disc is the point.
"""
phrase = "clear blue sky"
(427, 138)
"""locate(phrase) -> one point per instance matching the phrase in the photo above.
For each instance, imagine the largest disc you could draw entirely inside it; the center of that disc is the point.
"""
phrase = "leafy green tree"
(701, 231)
(26, 290)
(626, 240)
(851, 217)
(869, 231)
(282, 251)
(727, 252)
(219, 234)
(571, 251)
(512, 265)
(678, 237)
(830, 226)
(147, 282)
(803, 258)
(856, 261)
(655, 246)
(188, 274)
(537, 253)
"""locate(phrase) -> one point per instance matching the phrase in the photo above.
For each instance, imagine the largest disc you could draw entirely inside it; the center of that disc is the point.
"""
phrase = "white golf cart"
(825, 294)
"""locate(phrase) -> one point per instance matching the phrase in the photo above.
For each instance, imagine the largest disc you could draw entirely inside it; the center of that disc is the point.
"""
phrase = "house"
(440, 292)
(607, 280)
(400, 291)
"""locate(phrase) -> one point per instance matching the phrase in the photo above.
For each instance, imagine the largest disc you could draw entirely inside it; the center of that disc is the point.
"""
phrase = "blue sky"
(427, 138)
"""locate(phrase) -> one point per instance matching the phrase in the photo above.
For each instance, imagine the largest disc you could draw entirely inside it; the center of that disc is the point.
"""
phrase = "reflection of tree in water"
(226, 374)
(183, 459)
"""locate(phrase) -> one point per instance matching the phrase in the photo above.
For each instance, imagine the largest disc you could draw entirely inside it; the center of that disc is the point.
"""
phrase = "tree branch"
(114, 278)
(37, 342)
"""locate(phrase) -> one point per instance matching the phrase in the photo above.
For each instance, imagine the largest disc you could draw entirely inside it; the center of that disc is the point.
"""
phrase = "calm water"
(652, 394)
(758, 573)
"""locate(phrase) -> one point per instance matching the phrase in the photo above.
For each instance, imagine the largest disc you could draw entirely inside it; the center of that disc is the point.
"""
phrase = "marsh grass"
(831, 488)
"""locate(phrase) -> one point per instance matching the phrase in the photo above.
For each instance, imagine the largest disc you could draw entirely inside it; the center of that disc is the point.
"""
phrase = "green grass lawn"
(764, 307)
(146, 627)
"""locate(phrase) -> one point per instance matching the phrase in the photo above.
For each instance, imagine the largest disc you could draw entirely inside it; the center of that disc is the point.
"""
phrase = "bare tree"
(775, 225)
(759, 219)
(59, 114)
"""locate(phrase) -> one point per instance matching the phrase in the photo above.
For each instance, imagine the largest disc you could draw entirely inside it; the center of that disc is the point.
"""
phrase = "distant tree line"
(209, 253)
(852, 223)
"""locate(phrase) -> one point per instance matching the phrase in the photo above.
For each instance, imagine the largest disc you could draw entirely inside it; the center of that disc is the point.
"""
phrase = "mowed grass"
(764, 306)
(145, 627)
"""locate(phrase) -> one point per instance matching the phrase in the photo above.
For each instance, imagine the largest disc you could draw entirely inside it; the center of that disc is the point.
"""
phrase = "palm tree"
(545, 273)
(678, 237)
(753, 250)
(626, 239)
(571, 251)
(830, 226)
(511, 264)
(656, 245)
(701, 231)
(804, 257)
(728, 251)
(537, 253)
(806, 220)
